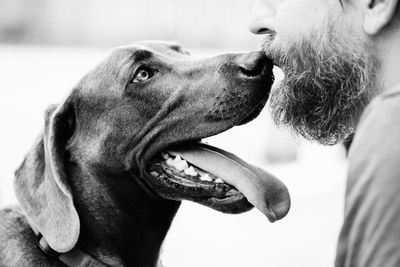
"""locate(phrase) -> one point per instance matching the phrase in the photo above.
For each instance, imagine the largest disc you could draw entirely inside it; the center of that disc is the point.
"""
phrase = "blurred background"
(46, 46)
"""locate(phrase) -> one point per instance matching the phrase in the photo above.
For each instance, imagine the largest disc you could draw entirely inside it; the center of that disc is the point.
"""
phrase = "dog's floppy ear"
(41, 183)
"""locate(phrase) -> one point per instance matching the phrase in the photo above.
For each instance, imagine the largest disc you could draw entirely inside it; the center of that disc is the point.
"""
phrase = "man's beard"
(327, 84)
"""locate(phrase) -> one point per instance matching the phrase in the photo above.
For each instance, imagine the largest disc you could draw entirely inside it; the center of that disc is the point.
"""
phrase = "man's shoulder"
(371, 229)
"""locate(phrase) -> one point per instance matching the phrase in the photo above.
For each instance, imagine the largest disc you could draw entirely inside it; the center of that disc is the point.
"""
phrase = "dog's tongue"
(261, 189)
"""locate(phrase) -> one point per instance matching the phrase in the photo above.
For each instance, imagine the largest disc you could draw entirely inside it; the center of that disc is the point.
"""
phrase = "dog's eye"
(142, 74)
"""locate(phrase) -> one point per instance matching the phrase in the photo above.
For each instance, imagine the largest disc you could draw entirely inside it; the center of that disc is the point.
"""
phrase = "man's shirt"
(370, 235)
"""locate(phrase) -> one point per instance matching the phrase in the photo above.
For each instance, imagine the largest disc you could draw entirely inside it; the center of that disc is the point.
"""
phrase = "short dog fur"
(83, 183)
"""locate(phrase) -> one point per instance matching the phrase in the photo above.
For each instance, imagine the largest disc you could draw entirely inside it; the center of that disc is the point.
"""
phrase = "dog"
(94, 190)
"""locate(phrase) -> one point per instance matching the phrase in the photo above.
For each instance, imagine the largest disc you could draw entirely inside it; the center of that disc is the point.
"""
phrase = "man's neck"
(389, 57)
(121, 225)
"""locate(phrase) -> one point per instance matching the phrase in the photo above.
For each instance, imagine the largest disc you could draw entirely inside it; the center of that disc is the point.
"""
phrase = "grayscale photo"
(200, 133)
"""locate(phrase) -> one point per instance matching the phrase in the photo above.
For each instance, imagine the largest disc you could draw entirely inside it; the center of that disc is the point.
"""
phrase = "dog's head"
(142, 100)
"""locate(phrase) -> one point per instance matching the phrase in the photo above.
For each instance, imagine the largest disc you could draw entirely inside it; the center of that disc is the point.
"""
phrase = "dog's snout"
(252, 64)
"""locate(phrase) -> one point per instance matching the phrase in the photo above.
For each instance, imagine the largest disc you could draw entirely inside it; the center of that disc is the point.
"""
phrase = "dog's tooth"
(170, 162)
(179, 164)
(164, 155)
(219, 181)
(190, 171)
(155, 174)
(206, 178)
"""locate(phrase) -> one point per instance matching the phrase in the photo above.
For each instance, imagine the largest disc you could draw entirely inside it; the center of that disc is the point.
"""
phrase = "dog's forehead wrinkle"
(136, 52)
(171, 51)
(159, 56)
(178, 48)
(141, 55)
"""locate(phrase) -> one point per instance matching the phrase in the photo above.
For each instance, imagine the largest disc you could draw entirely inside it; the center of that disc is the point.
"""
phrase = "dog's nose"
(252, 64)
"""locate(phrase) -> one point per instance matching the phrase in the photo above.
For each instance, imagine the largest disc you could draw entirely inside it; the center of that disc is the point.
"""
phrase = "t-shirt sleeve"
(370, 235)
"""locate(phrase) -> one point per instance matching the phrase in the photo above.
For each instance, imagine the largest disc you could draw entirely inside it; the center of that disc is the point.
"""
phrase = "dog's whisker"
(222, 114)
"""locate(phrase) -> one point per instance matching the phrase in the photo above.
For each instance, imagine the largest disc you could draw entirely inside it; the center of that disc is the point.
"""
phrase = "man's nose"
(263, 16)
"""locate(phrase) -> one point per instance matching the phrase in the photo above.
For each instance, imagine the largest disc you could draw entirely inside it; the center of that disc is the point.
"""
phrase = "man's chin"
(326, 87)
(314, 124)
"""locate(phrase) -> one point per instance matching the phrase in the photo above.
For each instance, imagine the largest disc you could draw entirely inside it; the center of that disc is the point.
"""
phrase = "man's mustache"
(269, 38)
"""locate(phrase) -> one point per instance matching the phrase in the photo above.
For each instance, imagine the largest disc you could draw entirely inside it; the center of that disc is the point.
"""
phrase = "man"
(341, 60)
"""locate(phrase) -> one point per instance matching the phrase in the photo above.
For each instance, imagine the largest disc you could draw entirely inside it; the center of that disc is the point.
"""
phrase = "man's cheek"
(296, 19)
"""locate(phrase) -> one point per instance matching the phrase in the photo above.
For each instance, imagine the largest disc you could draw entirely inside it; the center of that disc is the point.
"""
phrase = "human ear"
(378, 14)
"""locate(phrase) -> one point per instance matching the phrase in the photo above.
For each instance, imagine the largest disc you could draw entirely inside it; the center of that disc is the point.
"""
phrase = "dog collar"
(73, 258)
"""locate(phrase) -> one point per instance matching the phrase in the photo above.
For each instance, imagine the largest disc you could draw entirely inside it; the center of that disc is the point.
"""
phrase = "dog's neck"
(120, 223)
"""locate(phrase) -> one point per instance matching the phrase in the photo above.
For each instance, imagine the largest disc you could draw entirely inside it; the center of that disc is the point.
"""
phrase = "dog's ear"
(41, 183)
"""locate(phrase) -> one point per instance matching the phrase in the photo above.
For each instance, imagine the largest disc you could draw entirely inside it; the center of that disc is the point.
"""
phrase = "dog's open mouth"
(185, 173)
(218, 179)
